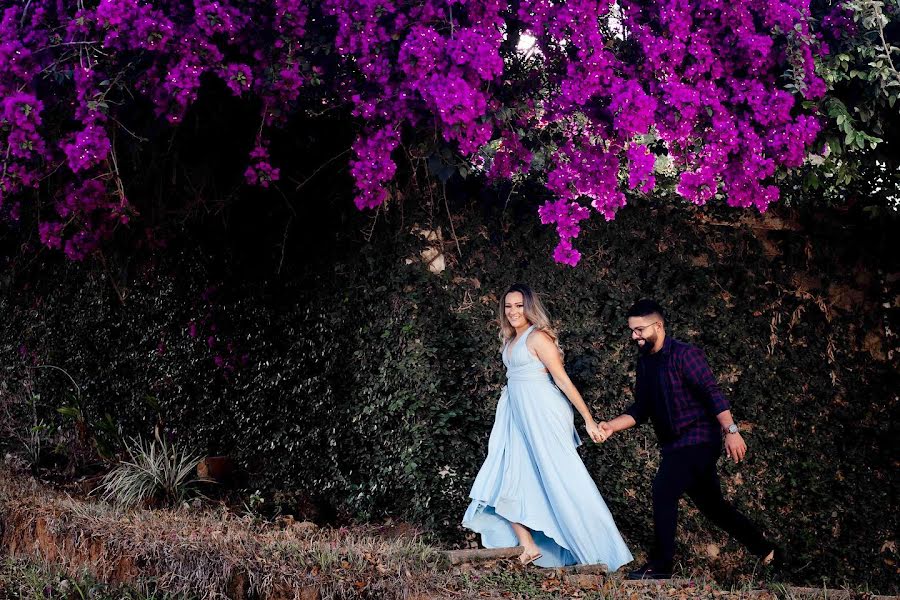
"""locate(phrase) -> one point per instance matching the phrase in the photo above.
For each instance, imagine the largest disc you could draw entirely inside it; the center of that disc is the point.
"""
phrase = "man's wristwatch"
(731, 428)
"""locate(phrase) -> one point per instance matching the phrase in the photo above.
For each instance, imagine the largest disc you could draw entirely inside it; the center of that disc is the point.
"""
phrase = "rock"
(434, 258)
(431, 255)
(216, 468)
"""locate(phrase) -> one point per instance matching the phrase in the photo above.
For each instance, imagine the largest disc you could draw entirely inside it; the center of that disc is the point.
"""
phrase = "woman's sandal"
(526, 559)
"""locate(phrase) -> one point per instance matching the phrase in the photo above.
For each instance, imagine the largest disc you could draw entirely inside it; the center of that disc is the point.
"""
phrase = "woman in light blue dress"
(533, 489)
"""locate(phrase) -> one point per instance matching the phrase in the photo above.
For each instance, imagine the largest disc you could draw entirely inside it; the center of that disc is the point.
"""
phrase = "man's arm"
(725, 419)
(735, 446)
(636, 414)
(620, 423)
(699, 377)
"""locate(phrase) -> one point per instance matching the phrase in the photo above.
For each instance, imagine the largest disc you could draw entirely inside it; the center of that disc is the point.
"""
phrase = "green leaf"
(69, 411)
(812, 180)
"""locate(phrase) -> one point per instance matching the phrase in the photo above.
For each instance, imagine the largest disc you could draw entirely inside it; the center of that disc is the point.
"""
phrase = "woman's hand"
(597, 434)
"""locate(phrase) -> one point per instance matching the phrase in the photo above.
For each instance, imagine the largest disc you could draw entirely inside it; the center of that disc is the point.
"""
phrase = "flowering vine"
(716, 86)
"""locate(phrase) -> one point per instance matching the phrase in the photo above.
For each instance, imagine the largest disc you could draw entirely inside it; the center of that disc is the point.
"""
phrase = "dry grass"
(209, 554)
(215, 553)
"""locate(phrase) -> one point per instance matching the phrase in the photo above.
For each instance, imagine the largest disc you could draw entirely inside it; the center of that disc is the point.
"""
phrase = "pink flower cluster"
(90, 212)
(565, 215)
(261, 172)
(511, 157)
(372, 167)
(21, 113)
(703, 80)
(430, 64)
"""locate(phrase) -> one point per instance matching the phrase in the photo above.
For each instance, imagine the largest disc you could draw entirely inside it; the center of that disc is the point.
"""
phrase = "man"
(676, 390)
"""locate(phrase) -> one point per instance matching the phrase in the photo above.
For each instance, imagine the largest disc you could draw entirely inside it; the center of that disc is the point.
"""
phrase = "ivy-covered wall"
(365, 381)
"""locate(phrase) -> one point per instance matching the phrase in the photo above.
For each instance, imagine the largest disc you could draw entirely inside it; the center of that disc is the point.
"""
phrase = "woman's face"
(514, 309)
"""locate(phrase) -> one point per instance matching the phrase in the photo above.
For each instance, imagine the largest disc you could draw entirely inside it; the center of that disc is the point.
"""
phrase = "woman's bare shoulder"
(540, 339)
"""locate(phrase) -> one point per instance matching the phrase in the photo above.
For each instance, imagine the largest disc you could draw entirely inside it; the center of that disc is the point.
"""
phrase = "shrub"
(158, 472)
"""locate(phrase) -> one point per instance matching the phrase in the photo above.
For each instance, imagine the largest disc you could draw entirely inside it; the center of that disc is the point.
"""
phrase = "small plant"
(36, 440)
(157, 473)
(33, 443)
(254, 504)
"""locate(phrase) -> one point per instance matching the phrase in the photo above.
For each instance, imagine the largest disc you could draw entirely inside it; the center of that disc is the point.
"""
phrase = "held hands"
(607, 429)
(735, 447)
(595, 432)
(599, 432)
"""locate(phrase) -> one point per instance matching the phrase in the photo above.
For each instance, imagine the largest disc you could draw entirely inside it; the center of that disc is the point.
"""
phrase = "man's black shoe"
(650, 571)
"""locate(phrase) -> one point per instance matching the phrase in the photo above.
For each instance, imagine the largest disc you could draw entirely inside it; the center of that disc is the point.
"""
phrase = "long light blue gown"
(533, 475)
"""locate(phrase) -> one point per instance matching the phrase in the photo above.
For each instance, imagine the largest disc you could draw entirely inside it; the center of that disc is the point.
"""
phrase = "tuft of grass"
(157, 472)
(26, 580)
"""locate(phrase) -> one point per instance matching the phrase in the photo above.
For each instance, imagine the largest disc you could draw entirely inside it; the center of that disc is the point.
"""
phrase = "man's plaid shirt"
(692, 397)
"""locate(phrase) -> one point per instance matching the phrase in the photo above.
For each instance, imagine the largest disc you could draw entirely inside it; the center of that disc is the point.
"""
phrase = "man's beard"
(649, 343)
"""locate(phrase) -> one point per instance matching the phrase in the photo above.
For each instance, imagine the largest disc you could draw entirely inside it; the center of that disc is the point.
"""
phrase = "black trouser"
(692, 470)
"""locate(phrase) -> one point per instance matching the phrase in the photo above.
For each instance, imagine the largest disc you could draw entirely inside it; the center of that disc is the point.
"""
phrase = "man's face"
(645, 331)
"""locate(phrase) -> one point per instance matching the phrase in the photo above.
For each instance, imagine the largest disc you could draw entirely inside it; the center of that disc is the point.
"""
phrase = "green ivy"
(370, 383)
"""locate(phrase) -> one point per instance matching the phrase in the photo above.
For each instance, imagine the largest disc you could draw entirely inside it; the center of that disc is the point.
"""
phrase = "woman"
(533, 490)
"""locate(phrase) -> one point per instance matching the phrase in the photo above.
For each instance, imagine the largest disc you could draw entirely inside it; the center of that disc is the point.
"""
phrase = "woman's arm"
(548, 353)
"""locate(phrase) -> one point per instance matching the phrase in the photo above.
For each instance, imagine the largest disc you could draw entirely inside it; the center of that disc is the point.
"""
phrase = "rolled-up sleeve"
(697, 374)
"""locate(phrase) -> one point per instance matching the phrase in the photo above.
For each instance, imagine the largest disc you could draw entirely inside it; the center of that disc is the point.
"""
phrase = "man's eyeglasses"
(640, 330)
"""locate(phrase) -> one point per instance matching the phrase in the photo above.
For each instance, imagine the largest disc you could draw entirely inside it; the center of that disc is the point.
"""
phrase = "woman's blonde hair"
(535, 313)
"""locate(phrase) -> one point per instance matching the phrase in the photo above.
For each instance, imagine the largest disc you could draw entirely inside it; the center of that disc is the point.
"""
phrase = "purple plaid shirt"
(692, 397)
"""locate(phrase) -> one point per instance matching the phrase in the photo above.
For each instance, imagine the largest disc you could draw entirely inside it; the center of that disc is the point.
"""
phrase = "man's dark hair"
(646, 307)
